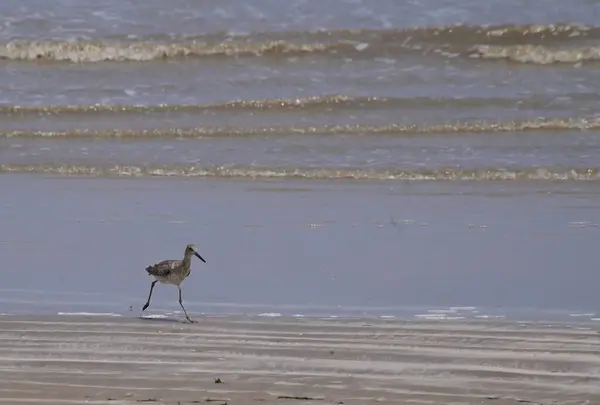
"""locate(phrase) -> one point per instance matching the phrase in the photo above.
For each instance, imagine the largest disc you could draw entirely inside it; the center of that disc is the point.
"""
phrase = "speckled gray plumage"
(173, 272)
(168, 268)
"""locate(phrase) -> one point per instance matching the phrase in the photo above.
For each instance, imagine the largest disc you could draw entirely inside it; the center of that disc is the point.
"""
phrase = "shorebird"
(173, 272)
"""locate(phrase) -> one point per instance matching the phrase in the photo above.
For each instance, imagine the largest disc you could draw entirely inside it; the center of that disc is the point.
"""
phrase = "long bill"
(199, 257)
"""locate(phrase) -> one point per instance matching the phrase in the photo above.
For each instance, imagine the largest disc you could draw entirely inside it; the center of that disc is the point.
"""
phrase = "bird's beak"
(199, 257)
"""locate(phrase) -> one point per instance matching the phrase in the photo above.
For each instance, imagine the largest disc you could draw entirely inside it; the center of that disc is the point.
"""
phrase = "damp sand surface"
(248, 360)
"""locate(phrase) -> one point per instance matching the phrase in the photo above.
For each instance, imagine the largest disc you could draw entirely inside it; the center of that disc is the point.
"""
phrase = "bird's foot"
(191, 320)
(144, 307)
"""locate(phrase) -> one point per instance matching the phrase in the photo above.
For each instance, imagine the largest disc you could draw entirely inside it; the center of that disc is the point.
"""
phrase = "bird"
(173, 272)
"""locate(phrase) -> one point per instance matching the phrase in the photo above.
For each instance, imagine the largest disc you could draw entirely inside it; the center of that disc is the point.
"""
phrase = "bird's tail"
(149, 269)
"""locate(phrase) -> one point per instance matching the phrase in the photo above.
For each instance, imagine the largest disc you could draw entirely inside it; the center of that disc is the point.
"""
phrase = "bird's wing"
(162, 269)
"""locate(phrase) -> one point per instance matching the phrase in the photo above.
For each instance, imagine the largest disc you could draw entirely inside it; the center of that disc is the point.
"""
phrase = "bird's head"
(192, 250)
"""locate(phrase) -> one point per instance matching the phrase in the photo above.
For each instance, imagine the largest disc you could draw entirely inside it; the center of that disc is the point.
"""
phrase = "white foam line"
(270, 314)
(431, 316)
(489, 316)
(439, 317)
(87, 314)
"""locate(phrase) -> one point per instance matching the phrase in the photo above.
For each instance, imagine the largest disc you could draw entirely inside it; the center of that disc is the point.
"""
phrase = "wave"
(299, 103)
(252, 104)
(85, 51)
(573, 124)
(537, 54)
(449, 41)
(299, 173)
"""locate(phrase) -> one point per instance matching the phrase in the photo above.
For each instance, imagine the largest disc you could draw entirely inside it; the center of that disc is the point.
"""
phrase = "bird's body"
(170, 271)
(173, 272)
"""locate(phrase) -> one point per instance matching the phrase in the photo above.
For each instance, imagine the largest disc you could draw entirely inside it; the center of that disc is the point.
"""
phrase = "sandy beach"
(258, 360)
(398, 202)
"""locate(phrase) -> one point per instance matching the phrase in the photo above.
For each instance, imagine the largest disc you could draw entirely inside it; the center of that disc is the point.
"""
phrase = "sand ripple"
(64, 359)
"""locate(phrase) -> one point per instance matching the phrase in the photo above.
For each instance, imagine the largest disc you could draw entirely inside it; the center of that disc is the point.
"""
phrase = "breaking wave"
(298, 173)
(145, 51)
(323, 103)
(552, 43)
(252, 104)
(537, 54)
(579, 124)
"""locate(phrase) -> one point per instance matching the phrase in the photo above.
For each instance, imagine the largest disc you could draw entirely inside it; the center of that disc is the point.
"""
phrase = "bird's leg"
(182, 307)
(149, 295)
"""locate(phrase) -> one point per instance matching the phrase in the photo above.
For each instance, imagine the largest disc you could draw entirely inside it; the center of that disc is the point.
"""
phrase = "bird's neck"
(187, 259)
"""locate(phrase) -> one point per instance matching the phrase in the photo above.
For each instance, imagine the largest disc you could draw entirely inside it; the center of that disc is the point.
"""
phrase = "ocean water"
(331, 158)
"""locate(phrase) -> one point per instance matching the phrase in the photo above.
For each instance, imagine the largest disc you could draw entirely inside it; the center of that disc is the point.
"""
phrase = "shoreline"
(120, 360)
(93, 304)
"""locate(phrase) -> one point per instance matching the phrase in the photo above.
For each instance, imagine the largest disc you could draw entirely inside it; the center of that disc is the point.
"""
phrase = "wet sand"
(121, 360)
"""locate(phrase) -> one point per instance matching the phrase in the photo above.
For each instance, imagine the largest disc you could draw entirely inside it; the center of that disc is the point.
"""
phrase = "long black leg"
(149, 295)
(182, 307)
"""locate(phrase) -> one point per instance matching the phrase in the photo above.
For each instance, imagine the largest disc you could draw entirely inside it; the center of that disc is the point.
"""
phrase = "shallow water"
(304, 248)
(479, 120)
